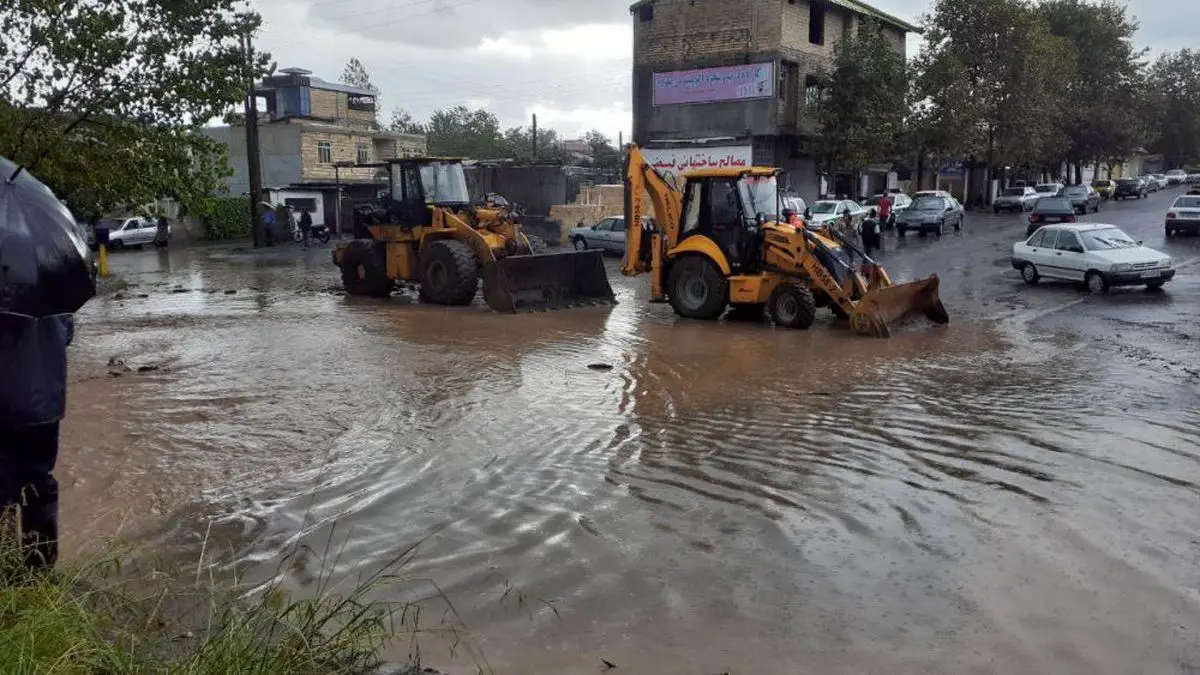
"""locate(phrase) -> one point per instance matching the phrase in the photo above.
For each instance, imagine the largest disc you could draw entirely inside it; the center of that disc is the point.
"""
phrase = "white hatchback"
(1102, 256)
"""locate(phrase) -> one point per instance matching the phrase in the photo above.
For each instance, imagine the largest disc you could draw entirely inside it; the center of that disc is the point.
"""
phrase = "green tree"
(1098, 120)
(105, 100)
(861, 110)
(403, 123)
(517, 143)
(356, 75)
(1173, 110)
(461, 131)
(605, 155)
(993, 70)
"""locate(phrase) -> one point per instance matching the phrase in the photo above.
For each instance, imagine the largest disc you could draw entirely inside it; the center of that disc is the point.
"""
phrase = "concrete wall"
(536, 188)
(281, 158)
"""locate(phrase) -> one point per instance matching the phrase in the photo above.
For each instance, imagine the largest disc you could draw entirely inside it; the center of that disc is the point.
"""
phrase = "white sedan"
(825, 211)
(1101, 256)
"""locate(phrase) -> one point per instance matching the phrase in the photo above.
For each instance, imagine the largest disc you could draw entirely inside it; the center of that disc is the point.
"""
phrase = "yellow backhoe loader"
(426, 230)
(719, 242)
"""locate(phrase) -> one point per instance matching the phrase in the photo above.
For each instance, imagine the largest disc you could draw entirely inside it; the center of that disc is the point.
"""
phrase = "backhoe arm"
(641, 179)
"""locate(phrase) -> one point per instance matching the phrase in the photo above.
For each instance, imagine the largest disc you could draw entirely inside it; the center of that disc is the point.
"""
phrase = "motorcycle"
(318, 232)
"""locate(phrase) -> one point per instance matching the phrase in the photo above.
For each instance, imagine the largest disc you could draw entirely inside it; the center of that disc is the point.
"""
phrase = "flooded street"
(1014, 493)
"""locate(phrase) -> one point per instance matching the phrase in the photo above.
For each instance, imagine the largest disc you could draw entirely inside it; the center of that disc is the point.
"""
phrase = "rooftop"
(856, 6)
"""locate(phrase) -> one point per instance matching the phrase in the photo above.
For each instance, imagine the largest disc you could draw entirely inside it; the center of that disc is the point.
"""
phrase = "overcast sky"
(566, 60)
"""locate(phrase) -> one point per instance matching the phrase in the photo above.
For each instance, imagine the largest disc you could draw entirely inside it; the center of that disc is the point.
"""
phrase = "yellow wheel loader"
(720, 242)
(425, 230)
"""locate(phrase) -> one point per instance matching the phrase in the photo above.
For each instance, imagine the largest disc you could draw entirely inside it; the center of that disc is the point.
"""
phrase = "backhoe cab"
(722, 241)
(425, 230)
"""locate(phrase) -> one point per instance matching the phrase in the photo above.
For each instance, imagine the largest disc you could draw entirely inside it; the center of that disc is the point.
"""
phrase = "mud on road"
(1013, 493)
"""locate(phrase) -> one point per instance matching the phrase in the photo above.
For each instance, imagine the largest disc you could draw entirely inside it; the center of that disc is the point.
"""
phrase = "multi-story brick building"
(735, 80)
(315, 138)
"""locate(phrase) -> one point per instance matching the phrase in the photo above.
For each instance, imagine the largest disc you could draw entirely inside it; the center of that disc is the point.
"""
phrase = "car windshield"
(1074, 190)
(1127, 181)
(761, 195)
(1046, 188)
(929, 204)
(1014, 192)
(1107, 238)
(1054, 203)
(1187, 203)
(1175, 172)
(1100, 183)
(824, 207)
(444, 183)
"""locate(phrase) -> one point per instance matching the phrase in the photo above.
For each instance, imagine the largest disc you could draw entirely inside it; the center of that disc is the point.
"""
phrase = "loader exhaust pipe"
(524, 283)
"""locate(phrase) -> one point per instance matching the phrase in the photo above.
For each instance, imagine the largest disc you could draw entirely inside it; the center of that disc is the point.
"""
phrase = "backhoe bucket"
(874, 312)
(547, 281)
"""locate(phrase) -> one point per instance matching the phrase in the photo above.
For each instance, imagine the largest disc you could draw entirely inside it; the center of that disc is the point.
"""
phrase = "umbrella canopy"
(44, 268)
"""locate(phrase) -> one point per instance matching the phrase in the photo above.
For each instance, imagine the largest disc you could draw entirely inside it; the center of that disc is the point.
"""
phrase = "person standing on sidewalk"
(885, 209)
(33, 395)
(305, 227)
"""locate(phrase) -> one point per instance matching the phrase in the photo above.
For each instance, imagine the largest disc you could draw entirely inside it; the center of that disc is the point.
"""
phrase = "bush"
(227, 218)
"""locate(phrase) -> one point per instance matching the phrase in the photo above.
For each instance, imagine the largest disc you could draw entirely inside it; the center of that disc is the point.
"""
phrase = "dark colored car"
(930, 214)
(1130, 188)
(1050, 210)
(1083, 198)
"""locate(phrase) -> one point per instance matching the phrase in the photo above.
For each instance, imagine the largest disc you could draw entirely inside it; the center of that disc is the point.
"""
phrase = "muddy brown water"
(1014, 493)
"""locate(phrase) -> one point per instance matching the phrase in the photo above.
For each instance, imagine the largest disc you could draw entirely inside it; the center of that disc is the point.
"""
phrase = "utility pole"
(620, 140)
(253, 152)
(535, 144)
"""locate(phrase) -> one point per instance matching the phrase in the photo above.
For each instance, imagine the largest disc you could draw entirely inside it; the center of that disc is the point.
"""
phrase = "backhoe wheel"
(792, 306)
(697, 289)
(537, 245)
(364, 269)
(449, 273)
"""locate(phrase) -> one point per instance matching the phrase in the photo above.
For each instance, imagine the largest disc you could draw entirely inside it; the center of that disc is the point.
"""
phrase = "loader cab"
(730, 208)
(416, 184)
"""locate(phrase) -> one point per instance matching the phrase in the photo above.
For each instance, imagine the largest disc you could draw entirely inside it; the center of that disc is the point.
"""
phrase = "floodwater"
(1014, 493)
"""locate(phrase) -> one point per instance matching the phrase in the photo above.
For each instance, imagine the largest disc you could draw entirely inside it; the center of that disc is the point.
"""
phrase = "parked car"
(1048, 189)
(1102, 256)
(1176, 176)
(900, 201)
(930, 214)
(1192, 179)
(794, 203)
(1015, 199)
(931, 193)
(1050, 210)
(1083, 198)
(825, 211)
(130, 232)
(1149, 182)
(1128, 188)
(1184, 215)
(608, 235)
(1160, 179)
(1105, 188)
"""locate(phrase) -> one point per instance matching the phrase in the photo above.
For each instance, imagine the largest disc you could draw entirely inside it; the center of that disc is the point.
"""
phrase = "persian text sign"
(672, 163)
(709, 85)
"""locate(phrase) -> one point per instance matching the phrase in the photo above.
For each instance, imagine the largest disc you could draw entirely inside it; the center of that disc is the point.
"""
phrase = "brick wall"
(332, 105)
(685, 30)
(343, 147)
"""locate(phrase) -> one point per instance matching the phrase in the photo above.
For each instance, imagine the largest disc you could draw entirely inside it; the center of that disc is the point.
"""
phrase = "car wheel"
(1029, 274)
(1096, 282)
(1155, 285)
(901, 230)
(996, 210)
(580, 244)
(958, 224)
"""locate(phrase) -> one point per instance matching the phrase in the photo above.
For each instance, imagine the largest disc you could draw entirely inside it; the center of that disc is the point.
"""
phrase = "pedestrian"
(305, 227)
(871, 232)
(268, 225)
(885, 208)
(162, 232)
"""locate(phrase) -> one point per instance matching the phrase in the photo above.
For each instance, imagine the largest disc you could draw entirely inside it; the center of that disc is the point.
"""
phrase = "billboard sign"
(359, 102)
(711, 85)
(672, 163)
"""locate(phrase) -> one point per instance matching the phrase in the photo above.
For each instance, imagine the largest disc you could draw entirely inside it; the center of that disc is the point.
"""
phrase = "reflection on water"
(727, 497)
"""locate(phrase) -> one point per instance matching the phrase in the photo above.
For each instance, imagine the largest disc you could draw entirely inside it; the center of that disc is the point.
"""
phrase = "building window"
(646, 12)
(816, 22)
(364, 153)
(324, 152)
(812, 91)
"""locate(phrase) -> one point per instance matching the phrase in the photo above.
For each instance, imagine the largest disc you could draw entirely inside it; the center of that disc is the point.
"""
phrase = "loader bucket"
(879, 308)
(547, 281)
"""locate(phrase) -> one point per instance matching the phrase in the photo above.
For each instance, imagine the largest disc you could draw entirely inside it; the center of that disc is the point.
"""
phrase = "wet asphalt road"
(1013, 493)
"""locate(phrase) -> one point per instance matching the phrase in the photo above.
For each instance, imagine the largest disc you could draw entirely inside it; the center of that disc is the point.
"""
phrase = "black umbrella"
(44, 263)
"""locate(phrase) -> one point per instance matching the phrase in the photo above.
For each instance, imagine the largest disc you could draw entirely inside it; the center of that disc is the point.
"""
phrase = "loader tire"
(364, 270)
(792, 306)
(697, 289)
(449, 273)
(537, 245)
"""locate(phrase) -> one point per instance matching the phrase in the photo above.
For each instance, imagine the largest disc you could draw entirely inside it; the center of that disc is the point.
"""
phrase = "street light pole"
(337, 209)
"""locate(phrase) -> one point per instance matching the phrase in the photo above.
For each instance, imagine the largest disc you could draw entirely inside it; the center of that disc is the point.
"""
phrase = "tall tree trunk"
(921, 169)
